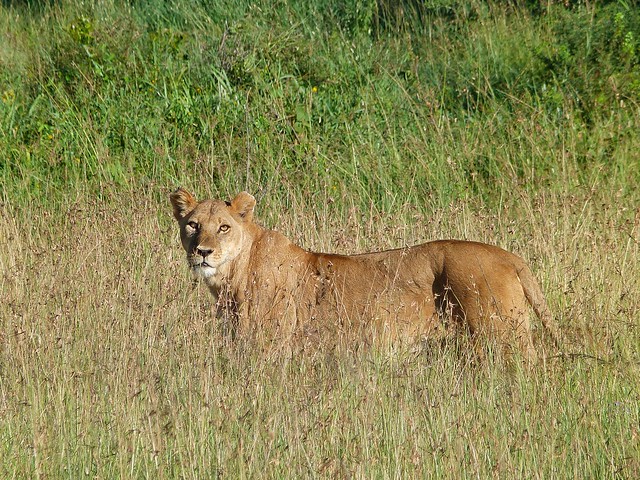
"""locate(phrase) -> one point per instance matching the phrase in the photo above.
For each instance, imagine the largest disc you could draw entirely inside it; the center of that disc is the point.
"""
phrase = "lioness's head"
(212, 231)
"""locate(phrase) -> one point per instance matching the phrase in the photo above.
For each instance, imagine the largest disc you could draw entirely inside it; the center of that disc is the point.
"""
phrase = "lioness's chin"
(204, 272)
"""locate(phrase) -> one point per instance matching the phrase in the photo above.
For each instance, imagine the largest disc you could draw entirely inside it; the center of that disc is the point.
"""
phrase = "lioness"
(272, 285)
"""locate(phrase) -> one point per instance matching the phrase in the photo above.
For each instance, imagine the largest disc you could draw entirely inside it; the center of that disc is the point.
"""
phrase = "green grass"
(359, 126)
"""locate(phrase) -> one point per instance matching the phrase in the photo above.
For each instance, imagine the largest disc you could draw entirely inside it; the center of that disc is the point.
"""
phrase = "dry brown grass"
(111, 365)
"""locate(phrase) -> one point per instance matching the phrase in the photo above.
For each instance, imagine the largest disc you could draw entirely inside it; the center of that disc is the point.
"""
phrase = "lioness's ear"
(183, 202)
(243, 205)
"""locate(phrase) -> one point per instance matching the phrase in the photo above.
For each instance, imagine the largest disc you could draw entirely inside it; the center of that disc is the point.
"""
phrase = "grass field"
(358, 125)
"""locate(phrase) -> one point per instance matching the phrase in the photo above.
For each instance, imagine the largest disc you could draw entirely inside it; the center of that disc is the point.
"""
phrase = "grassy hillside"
(464, 98)
(358, 125)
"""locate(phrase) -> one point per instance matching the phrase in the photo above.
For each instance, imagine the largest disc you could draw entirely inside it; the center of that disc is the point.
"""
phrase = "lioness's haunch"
(404, 294)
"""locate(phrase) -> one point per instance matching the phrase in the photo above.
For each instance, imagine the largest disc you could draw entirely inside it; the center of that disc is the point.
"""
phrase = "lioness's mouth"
(203, 270)
(201, 265)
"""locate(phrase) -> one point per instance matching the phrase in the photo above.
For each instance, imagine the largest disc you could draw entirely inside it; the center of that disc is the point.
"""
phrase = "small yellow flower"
(314, 89)
(8, 96)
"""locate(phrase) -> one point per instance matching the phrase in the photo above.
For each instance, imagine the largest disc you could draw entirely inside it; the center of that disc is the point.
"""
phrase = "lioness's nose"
(204, 252)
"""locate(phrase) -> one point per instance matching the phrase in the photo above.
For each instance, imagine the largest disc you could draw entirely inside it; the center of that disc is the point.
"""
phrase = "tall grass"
(358, 125)
(112, 365)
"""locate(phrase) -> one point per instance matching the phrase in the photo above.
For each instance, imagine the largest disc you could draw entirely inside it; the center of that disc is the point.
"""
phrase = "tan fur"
(282, 291)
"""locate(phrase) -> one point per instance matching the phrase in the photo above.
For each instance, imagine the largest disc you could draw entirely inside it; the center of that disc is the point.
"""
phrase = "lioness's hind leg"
(503, 317)
(516, 325)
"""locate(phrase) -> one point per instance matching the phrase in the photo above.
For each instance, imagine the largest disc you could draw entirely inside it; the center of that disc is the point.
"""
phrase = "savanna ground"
(359, 125)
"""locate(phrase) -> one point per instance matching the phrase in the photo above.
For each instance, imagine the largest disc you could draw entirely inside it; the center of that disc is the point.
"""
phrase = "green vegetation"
(358, 124)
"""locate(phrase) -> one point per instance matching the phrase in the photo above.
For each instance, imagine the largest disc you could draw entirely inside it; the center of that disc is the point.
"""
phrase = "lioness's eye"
(224, 228)
(193, 225)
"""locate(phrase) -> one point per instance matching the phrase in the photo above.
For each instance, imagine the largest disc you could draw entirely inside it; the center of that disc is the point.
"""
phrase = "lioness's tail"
(534, 295)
